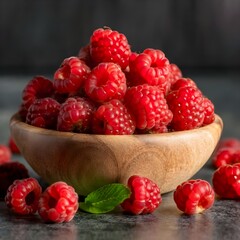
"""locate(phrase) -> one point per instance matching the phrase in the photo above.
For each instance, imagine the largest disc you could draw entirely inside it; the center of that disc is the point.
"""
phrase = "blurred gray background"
(201, 36)
(38, 34)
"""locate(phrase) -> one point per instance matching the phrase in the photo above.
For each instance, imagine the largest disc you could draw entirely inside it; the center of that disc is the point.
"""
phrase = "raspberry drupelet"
(9, 172)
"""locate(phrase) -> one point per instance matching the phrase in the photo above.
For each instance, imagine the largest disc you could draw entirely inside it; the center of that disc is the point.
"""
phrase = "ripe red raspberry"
(186, 104)
(8, 173)
(23, 196)
(175, 73)
(84, 55)
(183, 82)
(226, 181)
(5, 154)
(58, 203)
(236, 157)
(112, 118)
(71, 75)
(209, 114)
(106, 82)
(222, 157)
(12, 145)
(107, 45)
(229, 142)
(75, 115)
(150, 67)
(43, 113)
(149, 107)
(145, 196)
(194, 196)
(37, 88)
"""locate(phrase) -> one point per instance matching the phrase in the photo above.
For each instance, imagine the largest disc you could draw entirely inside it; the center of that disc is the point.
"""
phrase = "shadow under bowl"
(89, 161)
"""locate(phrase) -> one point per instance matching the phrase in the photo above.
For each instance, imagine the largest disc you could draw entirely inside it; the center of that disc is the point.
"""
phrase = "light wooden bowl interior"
(89, 161)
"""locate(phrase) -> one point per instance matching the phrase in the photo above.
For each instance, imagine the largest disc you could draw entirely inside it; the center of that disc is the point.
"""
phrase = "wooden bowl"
(89, 161)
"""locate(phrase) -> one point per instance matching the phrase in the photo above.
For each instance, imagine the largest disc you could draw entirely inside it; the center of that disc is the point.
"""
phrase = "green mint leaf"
(105, 198)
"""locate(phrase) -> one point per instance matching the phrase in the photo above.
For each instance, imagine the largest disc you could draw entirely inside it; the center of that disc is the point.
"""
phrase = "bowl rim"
(16, 119)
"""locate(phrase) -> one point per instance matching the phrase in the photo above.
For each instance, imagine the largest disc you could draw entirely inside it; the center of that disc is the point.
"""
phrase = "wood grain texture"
(89, 161)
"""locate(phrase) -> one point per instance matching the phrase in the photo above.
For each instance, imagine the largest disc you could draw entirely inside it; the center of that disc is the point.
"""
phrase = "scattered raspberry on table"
(12, 145)
(226, 181)
(23, 195)
(9, 172)
(5, 154)
(145, 197)
(227, 152)
(58, 203)
(194, 196)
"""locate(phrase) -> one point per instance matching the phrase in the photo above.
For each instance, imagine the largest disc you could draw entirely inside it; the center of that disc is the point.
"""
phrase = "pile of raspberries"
(109, 89)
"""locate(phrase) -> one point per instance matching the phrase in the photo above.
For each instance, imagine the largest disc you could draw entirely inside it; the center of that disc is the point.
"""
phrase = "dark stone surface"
(219, 222)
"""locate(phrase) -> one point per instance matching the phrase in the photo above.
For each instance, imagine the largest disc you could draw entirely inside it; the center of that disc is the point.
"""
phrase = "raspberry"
(236, 157)
(84, 55)
(183, 82)
(145, 196)
(75, 115)
(194, 196)
(222, 157)
(112, 118)
(150, 67)
(71, 75)
(186, 104)
(5, 154)
(106, 82)
(58, 203)
(109, 46)
(43, 113)
(227, 152)
(23, 196)
(8, 173)
(22, 111)
(229, 142)
(37, 88)
(209, 115)
(148, 106)
(12, 145)
(175, 73)
(226, 181)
